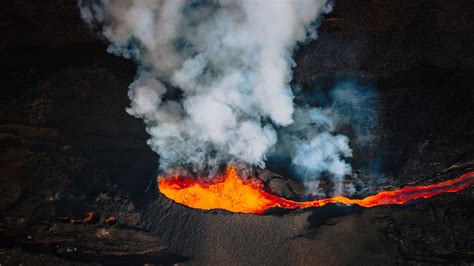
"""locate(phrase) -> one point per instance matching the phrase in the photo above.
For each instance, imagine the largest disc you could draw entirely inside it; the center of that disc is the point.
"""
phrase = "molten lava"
(230, 192)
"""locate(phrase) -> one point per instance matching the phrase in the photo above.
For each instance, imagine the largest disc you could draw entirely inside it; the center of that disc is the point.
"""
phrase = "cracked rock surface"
(68, 148)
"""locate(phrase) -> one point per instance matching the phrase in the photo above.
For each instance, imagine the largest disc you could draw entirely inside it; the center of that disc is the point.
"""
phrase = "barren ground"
(68, 148)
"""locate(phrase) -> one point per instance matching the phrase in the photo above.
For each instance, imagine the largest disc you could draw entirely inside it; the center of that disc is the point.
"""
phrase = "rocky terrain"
(78, 180)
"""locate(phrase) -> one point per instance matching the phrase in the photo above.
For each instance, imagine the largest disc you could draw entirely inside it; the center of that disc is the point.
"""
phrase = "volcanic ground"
(78, 182)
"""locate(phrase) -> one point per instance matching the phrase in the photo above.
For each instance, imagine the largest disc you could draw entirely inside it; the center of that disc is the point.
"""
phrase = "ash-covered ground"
(68, 148)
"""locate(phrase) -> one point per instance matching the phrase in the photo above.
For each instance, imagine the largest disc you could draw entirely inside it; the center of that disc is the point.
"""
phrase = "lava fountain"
(230, 192)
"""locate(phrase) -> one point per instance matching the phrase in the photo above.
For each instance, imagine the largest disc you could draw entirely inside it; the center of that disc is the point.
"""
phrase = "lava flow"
(230, 192)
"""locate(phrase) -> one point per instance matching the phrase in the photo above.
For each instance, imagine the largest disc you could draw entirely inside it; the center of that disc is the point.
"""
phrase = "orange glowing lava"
(230, 192)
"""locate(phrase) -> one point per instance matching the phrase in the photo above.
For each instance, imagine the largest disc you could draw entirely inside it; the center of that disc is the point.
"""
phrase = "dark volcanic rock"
(379, 38)
(73, 240)
(68, 148)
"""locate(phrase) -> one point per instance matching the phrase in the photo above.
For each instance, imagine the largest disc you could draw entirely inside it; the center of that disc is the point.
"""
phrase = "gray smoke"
(228, 64)
(312, 147)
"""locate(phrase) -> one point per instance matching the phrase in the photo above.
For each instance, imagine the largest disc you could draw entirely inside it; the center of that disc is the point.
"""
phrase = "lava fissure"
(232, 193)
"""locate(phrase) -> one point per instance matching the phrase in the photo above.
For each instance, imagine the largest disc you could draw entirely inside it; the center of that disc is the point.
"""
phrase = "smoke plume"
(213, 81)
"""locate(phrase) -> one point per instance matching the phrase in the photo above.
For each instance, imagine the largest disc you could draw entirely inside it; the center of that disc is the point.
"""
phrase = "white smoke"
(228, 64)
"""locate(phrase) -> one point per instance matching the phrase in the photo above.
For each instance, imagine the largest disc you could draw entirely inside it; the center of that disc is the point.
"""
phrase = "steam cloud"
(213, 81)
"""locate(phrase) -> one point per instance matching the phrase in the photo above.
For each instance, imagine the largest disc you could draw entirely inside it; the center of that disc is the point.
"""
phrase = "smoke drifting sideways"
(330, 114)
(213, 81)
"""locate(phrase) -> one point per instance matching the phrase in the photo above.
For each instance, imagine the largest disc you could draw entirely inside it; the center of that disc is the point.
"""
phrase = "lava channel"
(232, 193)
